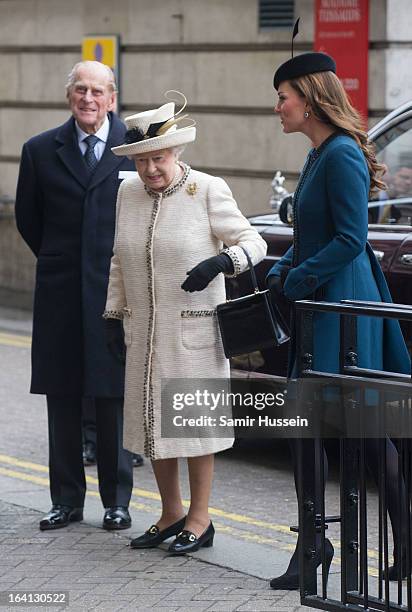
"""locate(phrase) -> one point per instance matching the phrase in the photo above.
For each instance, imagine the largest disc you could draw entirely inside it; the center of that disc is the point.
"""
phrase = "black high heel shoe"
(187, 542)
(289, 581)
(154, 536)
(398, 570)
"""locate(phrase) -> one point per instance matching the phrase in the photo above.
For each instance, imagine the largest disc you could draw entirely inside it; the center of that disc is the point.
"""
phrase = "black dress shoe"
(187, 542)
(60, 516)
(89, 453)
(137, 460)
(289, 581)
(117, 517)
(153, 536)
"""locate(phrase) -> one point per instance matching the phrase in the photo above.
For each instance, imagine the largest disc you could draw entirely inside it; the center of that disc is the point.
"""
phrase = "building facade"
(213, 50)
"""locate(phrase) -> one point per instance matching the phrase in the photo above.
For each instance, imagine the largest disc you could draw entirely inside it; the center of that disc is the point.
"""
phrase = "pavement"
(252, 505)
(97, 570)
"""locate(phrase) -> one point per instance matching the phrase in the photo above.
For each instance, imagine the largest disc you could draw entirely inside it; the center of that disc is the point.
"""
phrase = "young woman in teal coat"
(330, 258)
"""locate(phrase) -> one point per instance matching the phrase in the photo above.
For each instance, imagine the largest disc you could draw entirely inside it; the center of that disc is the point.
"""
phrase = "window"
(276, 14)
(394, 149)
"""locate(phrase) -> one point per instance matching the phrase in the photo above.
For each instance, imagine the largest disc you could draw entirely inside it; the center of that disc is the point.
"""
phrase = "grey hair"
(72, 76)
(178, 150)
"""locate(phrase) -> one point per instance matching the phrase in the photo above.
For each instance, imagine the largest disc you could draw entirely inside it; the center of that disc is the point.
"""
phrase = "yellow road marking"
(37, 467)
(22, 476)
(14, 340)
(45, 482)
(237, 518)
(10, 336)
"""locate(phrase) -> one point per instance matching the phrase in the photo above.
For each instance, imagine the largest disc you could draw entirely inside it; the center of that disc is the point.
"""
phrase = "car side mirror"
(286, 210)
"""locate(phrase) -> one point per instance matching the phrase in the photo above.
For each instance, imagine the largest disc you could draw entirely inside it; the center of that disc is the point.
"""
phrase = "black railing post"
(306, 460)
(307, 517)
(349, 461)
(349, 495)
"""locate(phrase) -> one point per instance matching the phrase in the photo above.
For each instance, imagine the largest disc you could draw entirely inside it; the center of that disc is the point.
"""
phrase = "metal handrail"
(358, 308)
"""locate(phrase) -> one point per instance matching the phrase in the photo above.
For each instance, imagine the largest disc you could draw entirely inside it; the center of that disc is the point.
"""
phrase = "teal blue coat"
(332, 260)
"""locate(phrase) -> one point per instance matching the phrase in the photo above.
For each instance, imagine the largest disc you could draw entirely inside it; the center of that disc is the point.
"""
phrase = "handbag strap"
(252, 271)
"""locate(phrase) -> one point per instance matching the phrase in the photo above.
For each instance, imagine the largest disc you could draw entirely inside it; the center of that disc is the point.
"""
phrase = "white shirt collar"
(102, 133)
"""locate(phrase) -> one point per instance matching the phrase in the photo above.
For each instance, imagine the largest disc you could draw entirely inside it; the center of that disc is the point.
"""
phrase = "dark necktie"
(89, 157)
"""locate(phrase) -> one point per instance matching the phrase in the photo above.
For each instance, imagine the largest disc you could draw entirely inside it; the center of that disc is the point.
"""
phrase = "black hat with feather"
(306, 63)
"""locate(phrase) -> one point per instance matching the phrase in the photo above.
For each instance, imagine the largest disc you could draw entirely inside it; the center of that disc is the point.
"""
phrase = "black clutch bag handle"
(256, 289)
(255, 283)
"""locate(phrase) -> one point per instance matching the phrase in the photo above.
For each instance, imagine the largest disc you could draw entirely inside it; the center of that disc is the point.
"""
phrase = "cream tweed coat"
(170, 333)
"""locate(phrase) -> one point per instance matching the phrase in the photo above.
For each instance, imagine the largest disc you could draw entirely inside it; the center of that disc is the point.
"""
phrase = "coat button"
(311, 281)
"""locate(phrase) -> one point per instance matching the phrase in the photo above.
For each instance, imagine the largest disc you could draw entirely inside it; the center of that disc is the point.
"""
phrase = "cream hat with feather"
(156, 129)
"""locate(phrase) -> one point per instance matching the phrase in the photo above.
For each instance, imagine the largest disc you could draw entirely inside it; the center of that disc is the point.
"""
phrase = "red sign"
(341, 29)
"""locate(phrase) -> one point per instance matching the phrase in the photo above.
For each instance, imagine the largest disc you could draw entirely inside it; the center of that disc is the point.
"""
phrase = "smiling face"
(91, 97)
(291, 108)
(156, 168)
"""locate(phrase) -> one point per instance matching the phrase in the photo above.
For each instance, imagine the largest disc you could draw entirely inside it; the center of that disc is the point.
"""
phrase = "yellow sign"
(103, 49)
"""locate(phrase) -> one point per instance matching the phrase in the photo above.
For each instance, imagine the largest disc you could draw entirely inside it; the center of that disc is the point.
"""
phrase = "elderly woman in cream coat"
(178, 231)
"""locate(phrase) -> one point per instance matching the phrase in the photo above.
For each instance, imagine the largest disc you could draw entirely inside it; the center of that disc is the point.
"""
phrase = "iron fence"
(364, 582)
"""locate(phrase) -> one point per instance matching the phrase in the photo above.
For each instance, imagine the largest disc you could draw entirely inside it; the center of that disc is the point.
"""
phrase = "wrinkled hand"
(200, 276)
(115, 339)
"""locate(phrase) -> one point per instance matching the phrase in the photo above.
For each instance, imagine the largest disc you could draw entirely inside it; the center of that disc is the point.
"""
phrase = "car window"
(394, 150)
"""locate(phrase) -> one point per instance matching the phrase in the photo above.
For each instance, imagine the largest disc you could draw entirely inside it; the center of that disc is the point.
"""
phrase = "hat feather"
(295, 31)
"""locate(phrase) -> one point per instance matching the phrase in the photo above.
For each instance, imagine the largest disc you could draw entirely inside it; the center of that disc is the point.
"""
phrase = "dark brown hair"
(330, 104)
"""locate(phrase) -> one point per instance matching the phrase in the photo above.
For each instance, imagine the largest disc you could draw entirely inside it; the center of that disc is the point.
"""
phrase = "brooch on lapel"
(191, 188)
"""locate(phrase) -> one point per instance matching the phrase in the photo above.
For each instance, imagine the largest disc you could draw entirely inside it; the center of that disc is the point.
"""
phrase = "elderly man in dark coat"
(65, 211)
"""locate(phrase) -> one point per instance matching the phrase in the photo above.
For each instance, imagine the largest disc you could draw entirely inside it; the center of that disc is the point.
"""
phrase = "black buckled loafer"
(137, 460)
(187, 542)
(89, 453)
(60, 516)
(117, 517)
(154, 536)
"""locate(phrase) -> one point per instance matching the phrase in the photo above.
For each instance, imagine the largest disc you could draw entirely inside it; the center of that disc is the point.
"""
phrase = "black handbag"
(252, 322)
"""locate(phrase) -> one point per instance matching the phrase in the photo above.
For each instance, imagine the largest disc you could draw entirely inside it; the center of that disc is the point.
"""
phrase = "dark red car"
(390, 231)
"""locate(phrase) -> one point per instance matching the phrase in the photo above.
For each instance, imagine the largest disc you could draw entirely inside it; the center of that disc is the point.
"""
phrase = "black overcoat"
(68, 221)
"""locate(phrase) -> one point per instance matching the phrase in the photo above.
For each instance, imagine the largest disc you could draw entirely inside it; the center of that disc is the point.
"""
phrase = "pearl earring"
(306, 114)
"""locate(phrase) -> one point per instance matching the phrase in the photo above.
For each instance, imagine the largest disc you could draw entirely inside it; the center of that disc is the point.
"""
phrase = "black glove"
(200, 276)
(283, 274)
(275, 284)
(115, 339)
